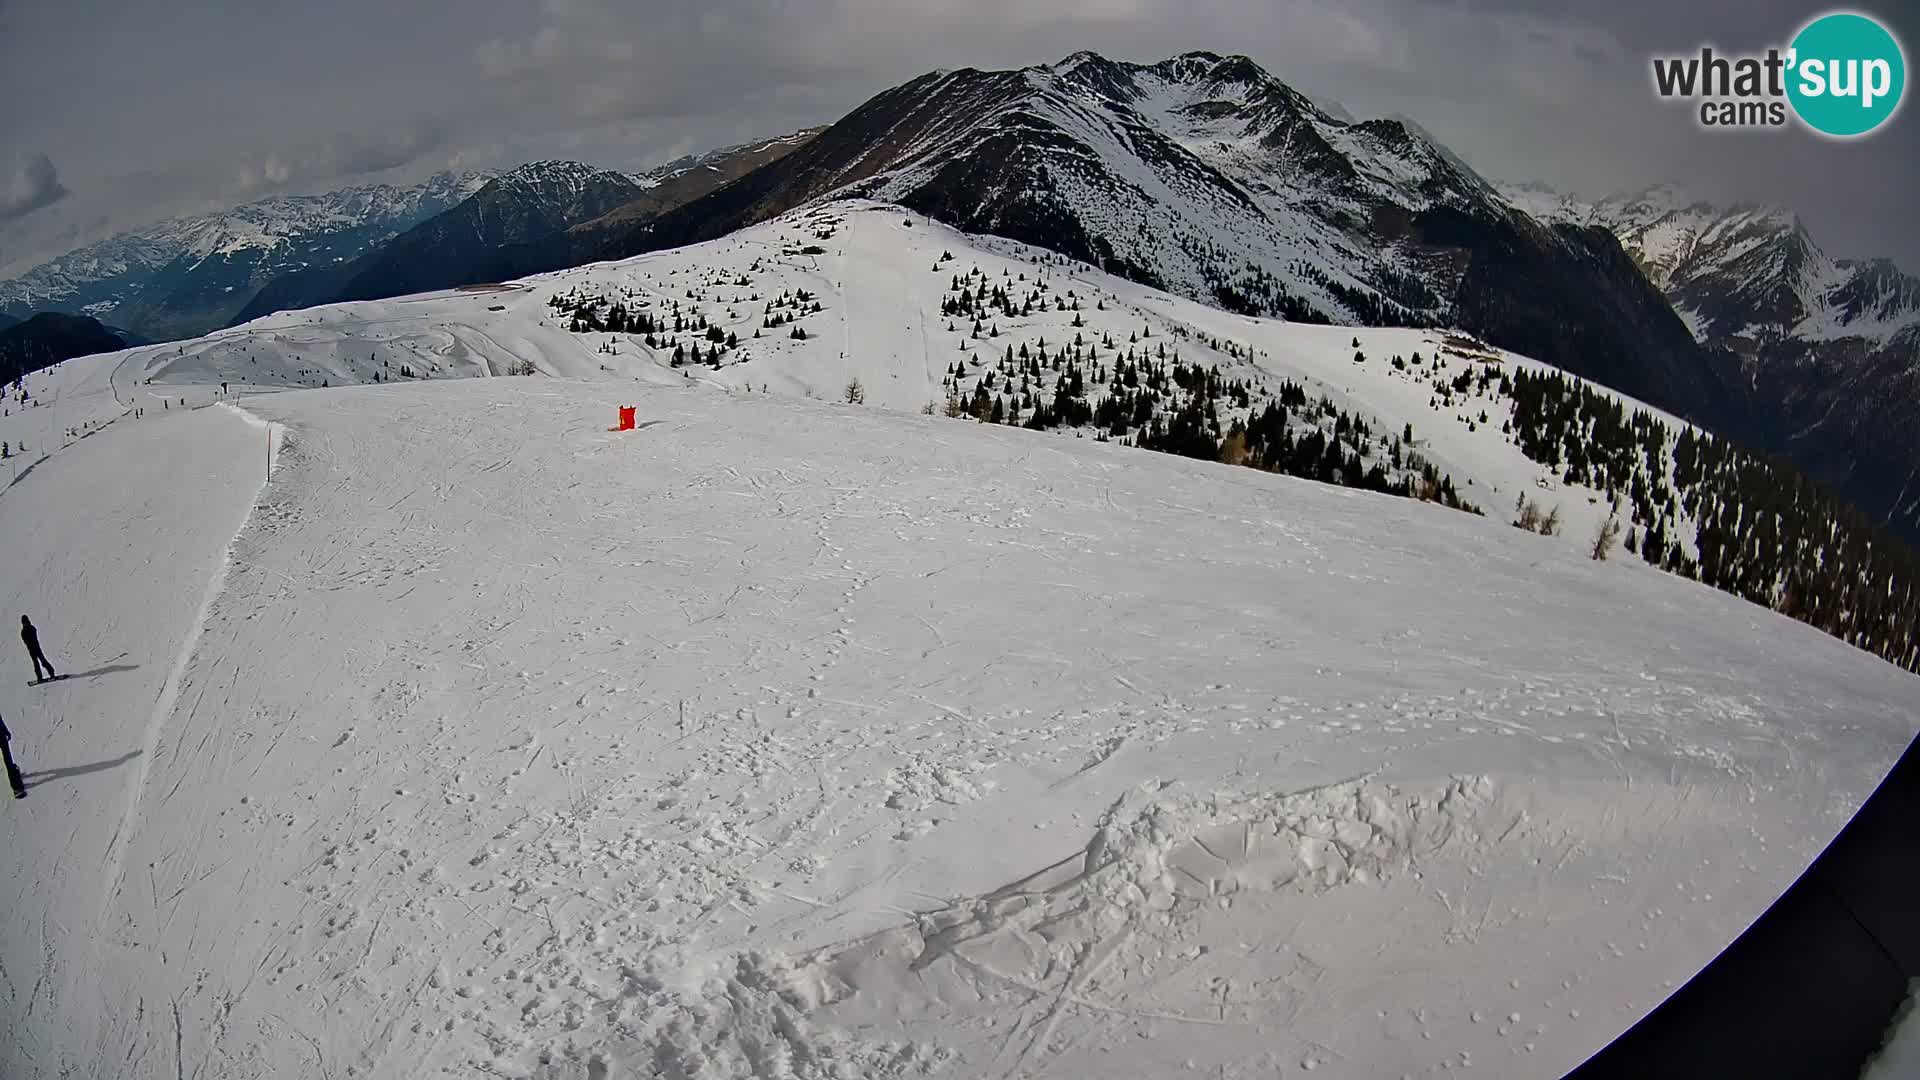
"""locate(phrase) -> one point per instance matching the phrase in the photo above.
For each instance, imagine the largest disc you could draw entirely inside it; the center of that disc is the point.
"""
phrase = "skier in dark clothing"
(14, 779)
(32, 637)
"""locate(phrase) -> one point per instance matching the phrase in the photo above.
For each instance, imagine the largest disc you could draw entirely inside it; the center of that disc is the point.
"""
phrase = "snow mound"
(1160, 862)
(747, 1025)
(1160, 876)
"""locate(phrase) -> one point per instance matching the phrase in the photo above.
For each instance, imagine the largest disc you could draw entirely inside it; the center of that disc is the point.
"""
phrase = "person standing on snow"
(31, 636)
(14, 779)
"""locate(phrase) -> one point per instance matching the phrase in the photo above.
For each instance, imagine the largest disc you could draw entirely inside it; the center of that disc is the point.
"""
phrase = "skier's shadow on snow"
(35, 779)
(110, 669)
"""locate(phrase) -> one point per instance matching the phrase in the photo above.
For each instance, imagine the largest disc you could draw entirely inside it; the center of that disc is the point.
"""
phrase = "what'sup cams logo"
(1843, 76)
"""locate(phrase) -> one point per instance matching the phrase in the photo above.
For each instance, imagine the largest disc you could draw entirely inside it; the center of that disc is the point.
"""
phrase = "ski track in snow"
(786, 739)
(112, 542)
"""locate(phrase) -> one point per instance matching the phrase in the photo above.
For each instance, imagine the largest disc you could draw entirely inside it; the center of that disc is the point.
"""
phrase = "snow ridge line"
(169, 696)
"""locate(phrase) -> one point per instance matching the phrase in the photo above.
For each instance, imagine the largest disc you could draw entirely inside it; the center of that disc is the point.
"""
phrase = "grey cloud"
(344, 156)
(208, 99)
(36, 185)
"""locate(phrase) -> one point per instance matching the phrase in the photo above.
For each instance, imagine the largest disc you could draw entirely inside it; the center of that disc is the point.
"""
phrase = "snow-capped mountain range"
(1827, 350)
(1201, 174)
(556, 179)
(1206, 176)
(189, 274)
(1743, 274)
(457, 247)
(548, 207)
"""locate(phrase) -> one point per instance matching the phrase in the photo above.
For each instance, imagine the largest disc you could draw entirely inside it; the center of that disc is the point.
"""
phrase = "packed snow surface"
(782, 738)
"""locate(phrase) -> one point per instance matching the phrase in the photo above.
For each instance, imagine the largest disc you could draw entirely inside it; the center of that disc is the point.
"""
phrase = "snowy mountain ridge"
(1742, 271)
(538, 214)
(1280, 183)
(717, 159)
(1827, 350)
(200, 261)
(553, 177)
(1207, 177)
(265, 223)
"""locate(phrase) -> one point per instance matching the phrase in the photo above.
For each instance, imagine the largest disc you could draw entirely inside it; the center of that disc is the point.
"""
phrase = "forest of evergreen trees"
(692, 337)
(1687, 503)
(1142, 393)
(1745, 523)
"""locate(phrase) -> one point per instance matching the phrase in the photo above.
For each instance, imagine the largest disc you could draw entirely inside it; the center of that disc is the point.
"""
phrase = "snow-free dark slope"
(50, 337)
(186, 276)
(460, 246)
(678, 183)
(1208, 177)
(457, 248)
(1828, 350)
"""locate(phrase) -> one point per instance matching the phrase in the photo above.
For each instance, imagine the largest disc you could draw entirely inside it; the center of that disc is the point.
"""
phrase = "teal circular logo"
(1847, 74)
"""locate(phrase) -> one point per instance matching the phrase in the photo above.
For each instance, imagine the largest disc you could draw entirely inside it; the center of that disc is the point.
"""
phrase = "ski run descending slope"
(793, 739)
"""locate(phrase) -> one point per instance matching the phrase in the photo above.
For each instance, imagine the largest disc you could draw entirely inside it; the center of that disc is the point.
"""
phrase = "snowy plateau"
(420, 725)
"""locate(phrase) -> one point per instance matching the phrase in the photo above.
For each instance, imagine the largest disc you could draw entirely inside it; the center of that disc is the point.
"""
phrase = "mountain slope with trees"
(1827, 349)
(1206, 176)
(874, 305)
(51, 337)
(457, 247)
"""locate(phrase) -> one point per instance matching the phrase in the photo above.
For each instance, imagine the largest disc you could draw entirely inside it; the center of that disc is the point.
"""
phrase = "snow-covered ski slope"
(788, 738)
(880, 284)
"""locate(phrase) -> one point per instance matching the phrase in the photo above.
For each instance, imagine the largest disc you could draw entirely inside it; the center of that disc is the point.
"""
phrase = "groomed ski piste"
(794, 738)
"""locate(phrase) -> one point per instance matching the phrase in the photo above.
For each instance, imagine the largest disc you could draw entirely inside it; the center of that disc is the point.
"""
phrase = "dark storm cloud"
(36, 184)
(223, 99)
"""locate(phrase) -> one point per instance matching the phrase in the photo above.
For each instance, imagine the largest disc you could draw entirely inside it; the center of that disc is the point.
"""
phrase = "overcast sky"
(120, 112)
